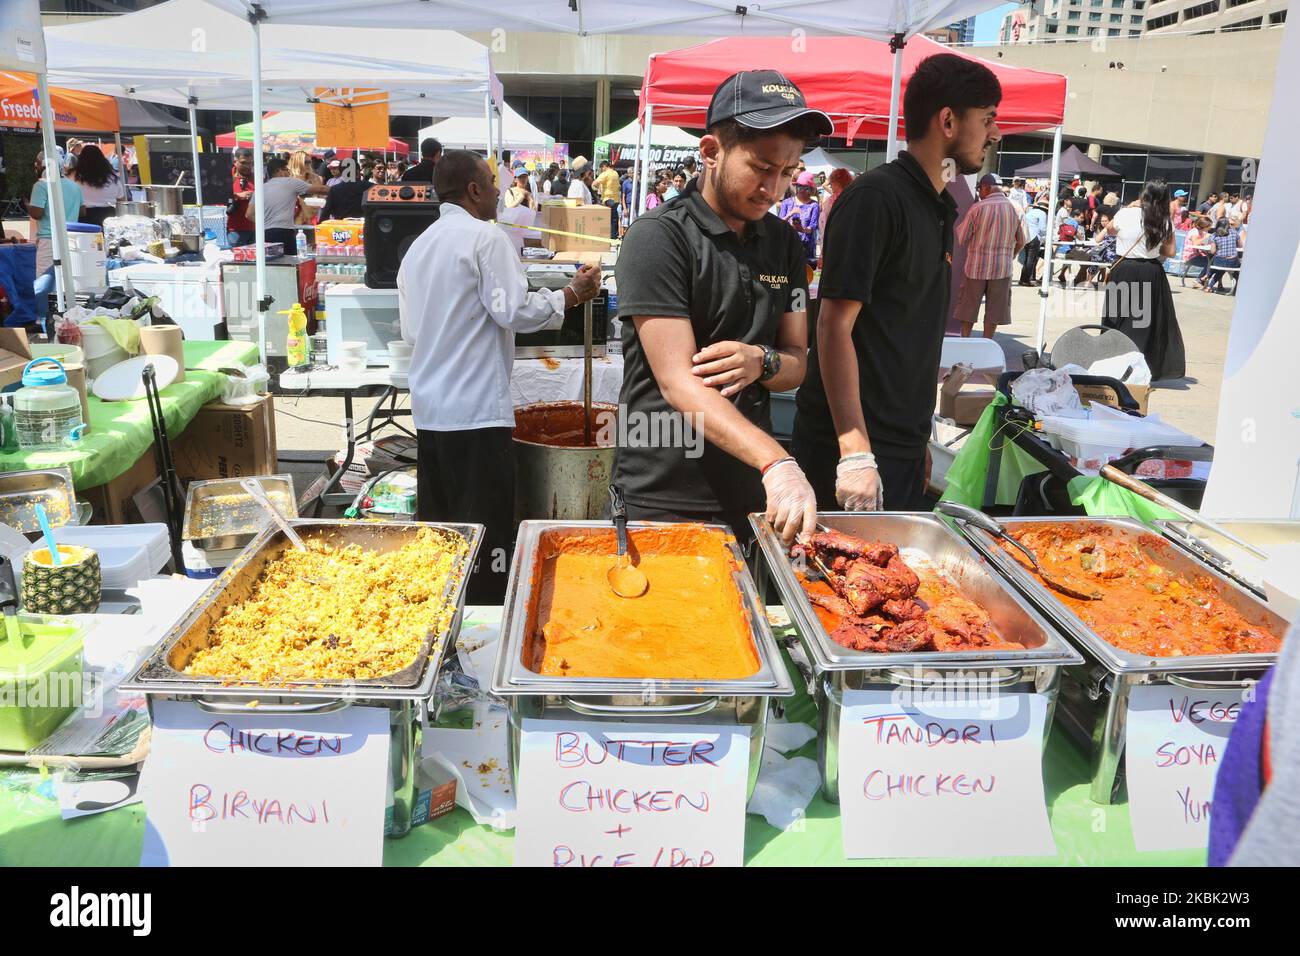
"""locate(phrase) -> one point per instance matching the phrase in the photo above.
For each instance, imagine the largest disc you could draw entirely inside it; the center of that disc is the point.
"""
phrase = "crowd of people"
(1099, 242)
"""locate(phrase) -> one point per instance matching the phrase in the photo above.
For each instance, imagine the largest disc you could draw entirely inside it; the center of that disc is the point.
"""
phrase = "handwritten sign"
(615, 794)
(268, 789)
(943, 779)
(356, 119)
(1174, 742)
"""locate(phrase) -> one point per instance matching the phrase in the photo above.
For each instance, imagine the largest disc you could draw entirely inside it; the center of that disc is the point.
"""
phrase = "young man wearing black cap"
(712, 294)
(863, 413)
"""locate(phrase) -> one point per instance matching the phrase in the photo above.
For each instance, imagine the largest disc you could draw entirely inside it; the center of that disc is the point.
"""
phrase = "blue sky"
(986, 24)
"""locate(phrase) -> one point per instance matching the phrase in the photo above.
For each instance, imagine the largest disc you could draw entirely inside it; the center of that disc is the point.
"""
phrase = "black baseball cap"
(762, 99)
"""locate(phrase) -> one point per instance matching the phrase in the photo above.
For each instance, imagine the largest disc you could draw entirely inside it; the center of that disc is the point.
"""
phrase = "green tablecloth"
(32, 833)
(120, 432)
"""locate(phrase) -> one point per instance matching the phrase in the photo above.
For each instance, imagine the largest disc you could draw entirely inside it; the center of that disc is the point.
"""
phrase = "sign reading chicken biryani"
(616, 794)
(249, 789)
(952, 769)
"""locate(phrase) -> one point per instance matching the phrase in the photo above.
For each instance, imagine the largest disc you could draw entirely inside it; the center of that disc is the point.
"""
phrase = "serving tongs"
(980, 520)
(625, 578)
(254, 488)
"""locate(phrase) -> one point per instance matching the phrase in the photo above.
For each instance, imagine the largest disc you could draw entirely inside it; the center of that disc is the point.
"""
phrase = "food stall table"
(1086, 833)
(120, 432)
(533, 380)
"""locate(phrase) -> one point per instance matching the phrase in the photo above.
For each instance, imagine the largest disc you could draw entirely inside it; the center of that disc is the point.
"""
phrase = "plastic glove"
(791, 504)
(857, 484)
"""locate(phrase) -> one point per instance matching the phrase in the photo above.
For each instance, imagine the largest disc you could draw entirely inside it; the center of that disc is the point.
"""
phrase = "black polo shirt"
(680, 259)
(421, 172)
(888, 245)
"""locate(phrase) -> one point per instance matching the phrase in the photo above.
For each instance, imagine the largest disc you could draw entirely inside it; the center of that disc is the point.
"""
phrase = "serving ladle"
(985, 523)
(625, 578)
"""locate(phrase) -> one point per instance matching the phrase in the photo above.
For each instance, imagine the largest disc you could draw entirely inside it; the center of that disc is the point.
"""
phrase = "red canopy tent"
(850, 78)
(845, 77)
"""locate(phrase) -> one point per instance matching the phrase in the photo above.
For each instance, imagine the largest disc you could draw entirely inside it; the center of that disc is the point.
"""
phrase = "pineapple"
(72, 587)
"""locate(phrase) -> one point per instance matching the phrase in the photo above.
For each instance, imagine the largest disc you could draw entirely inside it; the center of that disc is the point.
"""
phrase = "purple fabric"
(809, 215)
(1240, 780)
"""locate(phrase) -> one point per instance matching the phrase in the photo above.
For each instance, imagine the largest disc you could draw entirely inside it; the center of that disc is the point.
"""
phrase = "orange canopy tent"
(74, 111)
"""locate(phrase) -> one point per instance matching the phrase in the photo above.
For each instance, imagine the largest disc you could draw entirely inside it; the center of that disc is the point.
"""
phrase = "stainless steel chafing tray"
(1095, 694)
(220, 515)
(1036, 668)
(1230, 558)
(22, 491)
(741, 701)
(405, 693)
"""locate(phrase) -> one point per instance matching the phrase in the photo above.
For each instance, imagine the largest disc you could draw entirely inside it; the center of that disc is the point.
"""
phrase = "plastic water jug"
(47, 410)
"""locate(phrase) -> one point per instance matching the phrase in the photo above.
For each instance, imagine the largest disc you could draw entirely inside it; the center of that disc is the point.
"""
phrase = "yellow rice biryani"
(334, 613)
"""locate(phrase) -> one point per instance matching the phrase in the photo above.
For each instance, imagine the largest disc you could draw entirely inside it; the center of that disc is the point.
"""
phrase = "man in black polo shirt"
(863, 414)
(422, 172)
(712, 292)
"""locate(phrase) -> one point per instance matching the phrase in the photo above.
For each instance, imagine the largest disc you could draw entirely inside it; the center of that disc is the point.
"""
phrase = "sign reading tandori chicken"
(952, 768)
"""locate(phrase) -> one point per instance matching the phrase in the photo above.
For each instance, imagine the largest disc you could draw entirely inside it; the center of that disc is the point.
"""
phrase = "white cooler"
(190, 294)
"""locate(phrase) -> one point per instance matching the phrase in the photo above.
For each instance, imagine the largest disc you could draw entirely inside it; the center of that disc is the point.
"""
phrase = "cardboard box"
(1107, 396)
(964, 394)
(340, 232)
(590, 221)
(227, 441)
(14, 355)
(114, 502)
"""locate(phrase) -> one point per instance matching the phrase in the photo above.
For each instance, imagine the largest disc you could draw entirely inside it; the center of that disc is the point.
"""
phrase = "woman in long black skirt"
(1136, 298)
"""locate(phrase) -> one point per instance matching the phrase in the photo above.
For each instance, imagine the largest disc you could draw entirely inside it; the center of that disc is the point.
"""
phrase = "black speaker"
(395, 215)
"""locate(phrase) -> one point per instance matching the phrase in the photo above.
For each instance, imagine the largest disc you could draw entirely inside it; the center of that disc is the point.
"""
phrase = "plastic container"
(40, 679)
(47, 410)
(128, 553)
(67, 354)
(102, 352)
(1088, 444)
(297, 346)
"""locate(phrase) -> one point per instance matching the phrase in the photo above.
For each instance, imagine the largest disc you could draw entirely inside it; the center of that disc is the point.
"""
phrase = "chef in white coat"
(463, 296)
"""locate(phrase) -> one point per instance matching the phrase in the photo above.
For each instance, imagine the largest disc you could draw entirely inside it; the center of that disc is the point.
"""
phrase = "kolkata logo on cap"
(789, 92)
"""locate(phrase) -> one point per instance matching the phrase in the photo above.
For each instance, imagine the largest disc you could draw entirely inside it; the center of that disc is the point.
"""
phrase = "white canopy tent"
(819, 161)
(22, 47)
(895, 20)
(671, 143)
(194, 54)
(461, 132)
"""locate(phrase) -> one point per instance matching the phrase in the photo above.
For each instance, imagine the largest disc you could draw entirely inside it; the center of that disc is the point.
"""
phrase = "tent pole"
(487, 105)
(194, 151)
(124, 191)
(1044, 289)
(64, 285)
(259, 180)
(636, 165)
(649, 132)
(896, 44)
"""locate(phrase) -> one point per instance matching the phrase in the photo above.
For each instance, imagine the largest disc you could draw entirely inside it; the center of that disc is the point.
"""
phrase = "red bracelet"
(772, 464)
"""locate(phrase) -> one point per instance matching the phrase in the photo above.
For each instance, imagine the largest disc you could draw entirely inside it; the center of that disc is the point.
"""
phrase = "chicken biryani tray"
(904, 590)
(370, 608)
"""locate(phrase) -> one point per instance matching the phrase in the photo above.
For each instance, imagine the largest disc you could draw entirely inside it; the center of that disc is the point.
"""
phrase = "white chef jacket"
(462, 297)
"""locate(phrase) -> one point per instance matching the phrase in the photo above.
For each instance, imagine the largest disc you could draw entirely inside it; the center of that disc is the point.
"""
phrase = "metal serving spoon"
(625, 579)
(984, 522)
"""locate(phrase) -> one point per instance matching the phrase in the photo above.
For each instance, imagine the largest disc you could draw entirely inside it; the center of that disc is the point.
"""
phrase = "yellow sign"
(351, 118)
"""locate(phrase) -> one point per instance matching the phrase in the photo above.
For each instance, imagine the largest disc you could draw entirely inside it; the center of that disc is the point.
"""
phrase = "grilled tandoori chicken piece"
(871, 600)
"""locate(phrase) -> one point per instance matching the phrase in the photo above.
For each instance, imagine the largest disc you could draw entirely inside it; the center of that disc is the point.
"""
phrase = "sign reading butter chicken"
(249, 789)
(631, 794)
(1174, 740)
(952, 769)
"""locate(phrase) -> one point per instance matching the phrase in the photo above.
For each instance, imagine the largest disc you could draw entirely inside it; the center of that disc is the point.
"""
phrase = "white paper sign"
(614, 794)
(1172, 748)
(269, 789)
(943, 779)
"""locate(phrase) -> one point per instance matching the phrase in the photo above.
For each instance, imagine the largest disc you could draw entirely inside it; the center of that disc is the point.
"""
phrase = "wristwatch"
(771, 363)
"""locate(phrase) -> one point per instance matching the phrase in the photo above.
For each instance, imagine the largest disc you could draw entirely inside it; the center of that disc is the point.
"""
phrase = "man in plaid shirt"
(993, 235)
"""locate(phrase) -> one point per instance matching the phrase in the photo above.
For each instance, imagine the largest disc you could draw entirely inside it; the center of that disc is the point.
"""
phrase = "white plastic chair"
(980, 352)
